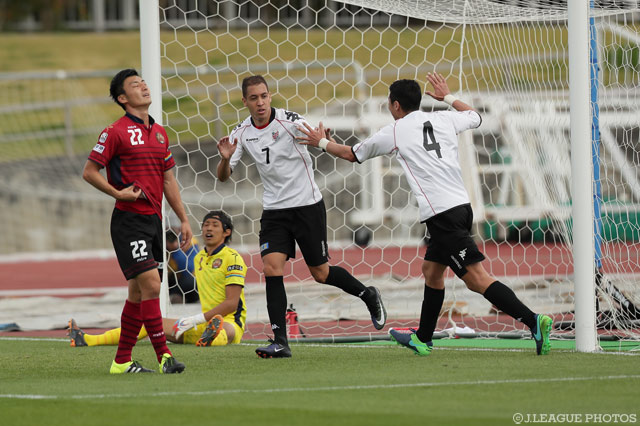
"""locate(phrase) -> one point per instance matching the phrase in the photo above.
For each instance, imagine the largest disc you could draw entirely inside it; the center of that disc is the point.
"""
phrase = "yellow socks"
(110, 337)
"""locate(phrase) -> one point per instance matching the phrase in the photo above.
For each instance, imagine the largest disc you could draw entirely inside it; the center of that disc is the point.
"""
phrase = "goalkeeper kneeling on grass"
(220, 272)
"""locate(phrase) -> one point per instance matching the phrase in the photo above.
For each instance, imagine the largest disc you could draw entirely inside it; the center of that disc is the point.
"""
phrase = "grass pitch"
(47, 382)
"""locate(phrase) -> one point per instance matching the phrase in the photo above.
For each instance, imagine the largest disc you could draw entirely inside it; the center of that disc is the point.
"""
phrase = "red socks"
(152, 318)
(131, 323)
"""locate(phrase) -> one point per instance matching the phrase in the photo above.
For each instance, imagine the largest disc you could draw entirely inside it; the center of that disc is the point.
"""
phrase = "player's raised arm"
(441, 92)
(226, 150)
(320, 138)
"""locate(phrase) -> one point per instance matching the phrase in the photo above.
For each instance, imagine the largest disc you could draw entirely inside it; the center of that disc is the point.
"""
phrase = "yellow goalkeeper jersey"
(214, 273)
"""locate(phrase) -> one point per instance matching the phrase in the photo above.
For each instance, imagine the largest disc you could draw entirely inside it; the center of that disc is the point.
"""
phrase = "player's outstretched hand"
(312, 136)
(226, 148)
(182, 325)
(440, 88)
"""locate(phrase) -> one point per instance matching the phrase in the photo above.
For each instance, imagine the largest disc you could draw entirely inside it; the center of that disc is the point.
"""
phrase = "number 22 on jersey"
(135, 136)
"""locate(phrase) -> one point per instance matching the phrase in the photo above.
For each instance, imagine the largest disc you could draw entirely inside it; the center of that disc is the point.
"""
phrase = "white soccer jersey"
(426, 146)
(284, 165)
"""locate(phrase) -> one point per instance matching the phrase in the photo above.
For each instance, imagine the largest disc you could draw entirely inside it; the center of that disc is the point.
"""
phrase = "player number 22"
(136, 136)
(139, 248)
(430, 143)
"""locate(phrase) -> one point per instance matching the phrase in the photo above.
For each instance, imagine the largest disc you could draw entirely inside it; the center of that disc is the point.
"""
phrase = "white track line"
(632, 352)
(318, 389)
(74, 291)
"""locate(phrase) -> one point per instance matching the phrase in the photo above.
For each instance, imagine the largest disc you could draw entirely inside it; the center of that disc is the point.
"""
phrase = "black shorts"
(450, 241)
(137, 240)
(281, 229)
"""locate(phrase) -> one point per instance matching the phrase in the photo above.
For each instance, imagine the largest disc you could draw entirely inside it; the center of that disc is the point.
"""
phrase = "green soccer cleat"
(75, 334)
(170, 365)
(541, 332)
(128, 367)
(411, 341)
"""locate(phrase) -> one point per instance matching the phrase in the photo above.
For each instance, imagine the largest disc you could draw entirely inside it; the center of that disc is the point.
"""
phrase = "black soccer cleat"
(377, 310)
(170, 365)
(76, 335)
(274, 350)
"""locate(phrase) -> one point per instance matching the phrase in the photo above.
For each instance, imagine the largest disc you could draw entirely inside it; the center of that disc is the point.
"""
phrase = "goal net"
(333, 62)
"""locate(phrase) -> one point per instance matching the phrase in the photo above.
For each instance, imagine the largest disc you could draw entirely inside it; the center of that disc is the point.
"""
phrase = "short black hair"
(171, 236)
(252, 80)
(224, 218)
(407, 93)
(117, 84)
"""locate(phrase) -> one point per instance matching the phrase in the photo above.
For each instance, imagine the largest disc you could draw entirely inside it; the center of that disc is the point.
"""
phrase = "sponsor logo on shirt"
(252, 139)
(462, 254)
(216, 263)
(234, 268)
(99, 148)
(264, 246)
(159, 137)
(103, 137)
(292, 116)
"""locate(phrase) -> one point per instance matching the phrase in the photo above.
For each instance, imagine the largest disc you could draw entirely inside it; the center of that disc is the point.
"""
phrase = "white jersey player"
(426, 146)
(285, 166)
(294, 211)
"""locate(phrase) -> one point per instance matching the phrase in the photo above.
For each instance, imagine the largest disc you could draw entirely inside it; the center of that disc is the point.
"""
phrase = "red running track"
(502, 260)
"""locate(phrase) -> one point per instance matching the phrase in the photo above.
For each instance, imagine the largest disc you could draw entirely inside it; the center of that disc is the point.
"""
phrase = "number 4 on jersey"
(430, 143)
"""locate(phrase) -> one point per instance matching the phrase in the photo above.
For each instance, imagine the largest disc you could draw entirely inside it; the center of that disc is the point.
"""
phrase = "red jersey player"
(135, 152)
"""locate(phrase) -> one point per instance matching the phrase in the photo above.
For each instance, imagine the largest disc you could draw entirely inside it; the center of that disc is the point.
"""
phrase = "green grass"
(320, 385)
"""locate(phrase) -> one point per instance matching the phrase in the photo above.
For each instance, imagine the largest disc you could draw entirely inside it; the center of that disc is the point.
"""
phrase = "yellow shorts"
(190, 337)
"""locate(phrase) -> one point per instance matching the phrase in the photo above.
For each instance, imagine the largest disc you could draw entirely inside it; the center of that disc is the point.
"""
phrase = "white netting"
(48, 125)
(333, 62)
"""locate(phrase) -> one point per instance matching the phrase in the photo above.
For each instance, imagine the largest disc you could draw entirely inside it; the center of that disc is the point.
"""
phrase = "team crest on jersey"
(103, 137)
(159, 137)
(216, 263)
(275, 135)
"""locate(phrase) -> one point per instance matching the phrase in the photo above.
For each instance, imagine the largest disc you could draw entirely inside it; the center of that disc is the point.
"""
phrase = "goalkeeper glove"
(187, 323)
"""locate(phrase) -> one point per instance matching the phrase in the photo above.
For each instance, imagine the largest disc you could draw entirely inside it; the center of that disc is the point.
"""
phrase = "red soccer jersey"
(135, 154)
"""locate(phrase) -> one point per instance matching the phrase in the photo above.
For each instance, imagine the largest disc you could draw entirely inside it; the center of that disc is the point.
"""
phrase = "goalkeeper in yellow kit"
(220, 272)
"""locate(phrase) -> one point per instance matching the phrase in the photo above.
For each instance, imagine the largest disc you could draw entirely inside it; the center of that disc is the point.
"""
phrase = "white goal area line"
(321, 388)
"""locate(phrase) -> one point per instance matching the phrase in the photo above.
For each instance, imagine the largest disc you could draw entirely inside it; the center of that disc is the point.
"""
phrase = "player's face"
(136, 92)
(214, 233)
(258, 100)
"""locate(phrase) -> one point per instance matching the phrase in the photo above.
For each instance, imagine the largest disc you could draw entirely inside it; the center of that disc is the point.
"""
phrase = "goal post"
(529, 168)
(151, 71)
(582, 177)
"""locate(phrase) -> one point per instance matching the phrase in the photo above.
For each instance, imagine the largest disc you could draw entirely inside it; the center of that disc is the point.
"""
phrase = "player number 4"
(430, 143)
(139, 248)
(136, 137)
